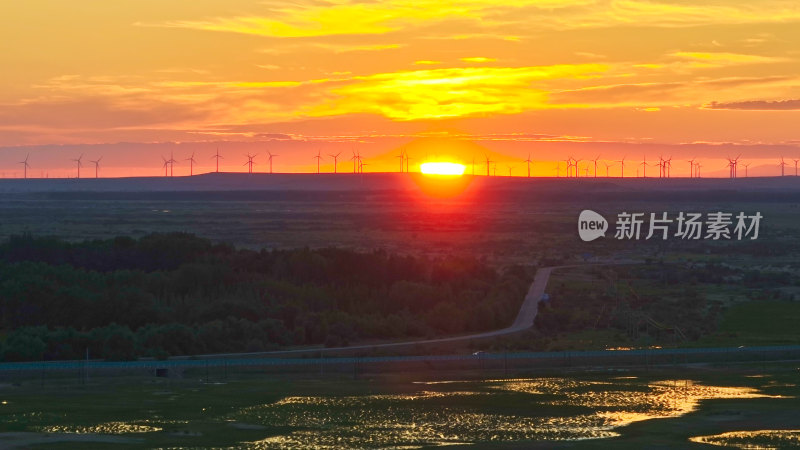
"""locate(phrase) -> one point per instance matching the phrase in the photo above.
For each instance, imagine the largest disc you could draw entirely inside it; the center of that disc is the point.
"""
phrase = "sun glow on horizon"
(442, 168)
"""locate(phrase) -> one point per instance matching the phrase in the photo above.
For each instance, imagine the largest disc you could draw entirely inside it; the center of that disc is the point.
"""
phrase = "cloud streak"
(758, 105)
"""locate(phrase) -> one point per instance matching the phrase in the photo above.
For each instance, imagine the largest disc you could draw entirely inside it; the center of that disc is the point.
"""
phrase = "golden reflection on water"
(760, 439)
(625, 403)
(459, 412)
(480, 411)
(103, 428)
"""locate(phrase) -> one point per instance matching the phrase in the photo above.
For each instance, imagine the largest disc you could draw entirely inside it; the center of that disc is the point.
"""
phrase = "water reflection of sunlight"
(430, 417)
(103, 428)
(624, 403)
(760, 439)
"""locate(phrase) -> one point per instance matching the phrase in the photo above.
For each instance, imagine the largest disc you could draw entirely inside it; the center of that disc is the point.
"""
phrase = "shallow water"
(467, 412)
(759, 439)
(424, 414)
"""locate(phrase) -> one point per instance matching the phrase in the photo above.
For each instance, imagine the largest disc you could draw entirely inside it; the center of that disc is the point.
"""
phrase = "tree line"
(179, 294)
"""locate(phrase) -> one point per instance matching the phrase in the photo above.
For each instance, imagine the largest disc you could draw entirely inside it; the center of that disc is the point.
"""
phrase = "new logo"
(591, 225)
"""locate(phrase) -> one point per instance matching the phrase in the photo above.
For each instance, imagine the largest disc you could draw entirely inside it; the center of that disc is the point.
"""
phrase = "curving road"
(524, 320)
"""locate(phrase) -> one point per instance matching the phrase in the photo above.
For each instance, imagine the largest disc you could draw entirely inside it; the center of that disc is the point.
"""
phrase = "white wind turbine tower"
(270, 160)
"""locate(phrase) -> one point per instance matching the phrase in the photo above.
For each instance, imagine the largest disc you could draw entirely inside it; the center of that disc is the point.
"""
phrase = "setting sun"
(442, 168)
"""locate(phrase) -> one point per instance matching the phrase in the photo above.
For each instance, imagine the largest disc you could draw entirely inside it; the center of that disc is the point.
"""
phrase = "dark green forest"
(178, 294)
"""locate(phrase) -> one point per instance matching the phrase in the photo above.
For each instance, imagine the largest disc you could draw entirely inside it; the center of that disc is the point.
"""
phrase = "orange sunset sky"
(132, 80)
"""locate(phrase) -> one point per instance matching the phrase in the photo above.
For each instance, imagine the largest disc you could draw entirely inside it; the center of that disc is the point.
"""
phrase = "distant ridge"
(731, 190)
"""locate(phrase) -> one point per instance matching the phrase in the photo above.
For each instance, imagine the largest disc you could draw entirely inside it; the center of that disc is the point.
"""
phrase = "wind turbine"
(607, 166)
(335, 161)
(569, 165)
(795, 166)
(488, 165)
(318, 158)
(171, 164)
(661, 167)
(166, 166)
(730, 167)
(644, 166)
(402, 157)
(529, 164)
(622, 167)
(558, 169)
(408, 158)
(510, 168)
(270, 160)
(595, 165)
(25, 165)
(697, 170)
(217, 156)
(783, 166)
(668, 165)
(79, 164)
(97, 166)
(745, 168)
(577, 168)
(250, 163)
(356, 158)
(191, 164)
(691, 167)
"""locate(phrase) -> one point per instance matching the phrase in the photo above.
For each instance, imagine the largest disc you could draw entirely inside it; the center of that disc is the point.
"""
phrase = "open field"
(503, 220)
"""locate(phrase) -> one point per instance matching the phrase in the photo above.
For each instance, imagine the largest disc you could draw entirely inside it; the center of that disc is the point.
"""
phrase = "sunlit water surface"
(467, 412)
(456, 412)
(759, 439)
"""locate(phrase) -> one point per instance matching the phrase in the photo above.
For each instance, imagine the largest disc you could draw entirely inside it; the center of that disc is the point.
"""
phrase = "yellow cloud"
(451, 92)
(426, 62)
(478, 59)
(716, 59)
(333, 19)
(342, 17)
